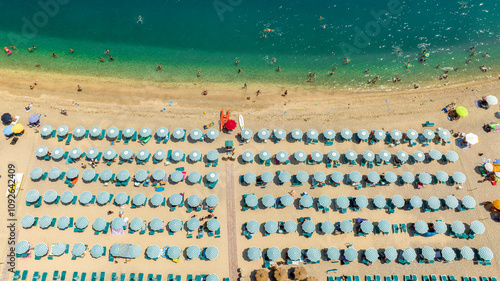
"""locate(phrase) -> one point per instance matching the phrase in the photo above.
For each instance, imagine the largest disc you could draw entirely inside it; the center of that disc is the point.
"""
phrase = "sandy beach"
(121, 103)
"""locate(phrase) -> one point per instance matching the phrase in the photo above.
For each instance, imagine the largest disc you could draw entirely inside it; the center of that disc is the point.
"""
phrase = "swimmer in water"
(335, 68)
(237, 62)
(269, 30)
(366, 71)
(486, 55)
(106, 52)
(473, 54)
(438, 66)
(158, 67)
(30, 49)
(279, 69)
(139, 19)
(101, 59)
(469, 61)
(239, 70)
(274, 59)
(198, 74)
(264, 36)
(54, 55)
(346, 60)
(408, 64)
(111, 58)
(70, 50)
(332, 72)
(13, 47)
(320, 18)
(472, 48)
(37, 64)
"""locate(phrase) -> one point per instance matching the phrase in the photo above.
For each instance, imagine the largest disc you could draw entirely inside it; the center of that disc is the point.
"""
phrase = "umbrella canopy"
(458, 177)
(249, 177)
(440, 227)
(193, 252)
(246, 134)
(333, 155)
(264, 155)
(442, 176)
(355, 176)
(156, 199)
(58, 249)
(452, 156)
(396, 135)
(57, 153)
(425, 178)
(176, 176)
(284, 176)
(444, 134)
(485, 253)
(177, 155)
(212, 134)
(300, 273)
(293, 253)
(44, 222)
(271, 226)
(337, 177)
(121, 198)
(351, 155)
(390, 253)
(194, 177)
(308, 226)
(141, 175)
(82, 222)
(143, 154)
(194, 200)
(212, 277)
(18, 128)
(403, 156)
(361, 201)
(97, 251)
(428, 253)
(123, 175)
(416, 202)
(363, 134)
(491, 100)
(212, 200)
(95, 131)
(312, 134)
(153, 251)
(346, 134)
(306, 201)
(346, 226)
(252, 226)
(408, 177)
(247, 156)
(419, 156)
(27, 221)
(317, 156)
(477, 227)
(179, 133)
(156, 224)
(145, 132)
(273, 253)
(212, 176)
(99, 224)
(159, 174)
(296, 134)
(409, 254)
(373, 177)
(384, 226)
(390, 177)
(385, 155)
(106, 175)
(175, 225)
(435, 154)
(160, 154)
(251, 200)
(88, 175)
(85, 197)
(379, 201)
(429, 135)
(319, 176)
(286, 200)
(342, 202)
(78, 249)
(75, 153)
(299, 155)
(92, 153)
(379, 135)
(45, 131)
(421, 227)
(333, 253)
(398, 201)
(211, 253)
(67, 197)
(162, 132)
(268, 200)
(327, 227)
(8, 131)
(368, 155)
(467, 253)
(6, 118)
(302, 177)
(50, 196)
(62, 130)
(366, 227)
(196, 134)
(139, 199)
(469, 202)
(41, 151)
(458, 227)
(412, 134)
(462, 111)
(451, 201)
(351, 254)
(230, 125)
(471, 138)
(280, 134)
(212, 155)
(448, 254)
(371, 254)
(175, 199)
(128, 132)
(213, 224)
(282, 156)
(109, 154)
(263, 134)
(313, 254)
(290, 226)
(325, 201)
(54, 173)
(329, 134)
(112, 133)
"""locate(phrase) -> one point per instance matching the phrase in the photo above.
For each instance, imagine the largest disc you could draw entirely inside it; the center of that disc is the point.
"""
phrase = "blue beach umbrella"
(434, 203)
(263, 134)
(95, 131)
(346, 134)
(440, 227)
(247, 156)
(468, 202)
(396, 135)
(390, 253)
(351, 254)
(62, 130)
(97, 251)
(121, 198)
(44, 222)
(252, 226)
(300, 156)
(337, 177)
(99, 224)
(27, 221)
(212, 200)
(435, 154)
(178, 133)
(342, 202)
(384, 226)
(379, 135)
(428, 253)
(268, 200)
(368, 155)
(193, 224)
(193, 252)
(109, 154)
(294, 253)
(416, 202)
(143, 154)
(126, 154)
(373, 177)
(284, 176)
(32, 196)
(75, 153)
(58, 249)
(398, 201)
(379, 201)
(385, 155)
(327, 227)
(319, 176)
(41, 249)
(106, 175)
(425, 178)
(325, 201)
(54, 173)
(156, 199)
(175, 225)
(296, 134)
(141, 175)
(159, 174)
(213, 176)
(194, 177)
(249, 177)
(346, 226)
(176, 176)
(286, 200)
(467, 253)
(57, 153)
(363, 134)
(290, 226)
(355, 176)
(213, 224)
(412, 134)
(448, 254)
(153, 251)
(421, 227)
(175, 199)
(128, 132)
(85, 197)
(329, 134)
(212, 155)
(458, 177)
(177, 155)
(41, 151)
(212, 277)
(246, 134)
(351, 155)
(317, 156)
(444, 134)
(212, 134)
(366, 227)
(211, 253)
(273, 253)
(390, 177)
(112, 133)
(429, 135)
(123, 175)
(50, 196)
(194, 200)
(312, 134)
(45, 131)
(145, 132)
(254, 253)
(451, 201)
(8, 131)
(485, 253)
(306, 201)
(282, 156)
(88, 175)
(458, 227)
(67, 197)
(271, 226)
(280, 134)
(78, 249)
(409, 254)
(82, 222)
(156, 224)
(361, 201)
(403, 156)
(139, 199)
(264, 155)
(333, 253)
(162, 132)
(408, 177)
(477, 227)
(195, 134)
(452, 156)
(92, 153)
(371, 254)
(313, 254)
(302, 177)
(419, 156)
(333, 155)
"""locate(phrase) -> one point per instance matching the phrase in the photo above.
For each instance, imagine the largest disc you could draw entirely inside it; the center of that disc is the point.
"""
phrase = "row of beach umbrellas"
(343, 202)
(350, 254)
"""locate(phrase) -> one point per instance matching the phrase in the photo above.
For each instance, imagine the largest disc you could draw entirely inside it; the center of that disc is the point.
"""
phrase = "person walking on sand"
(285, 93)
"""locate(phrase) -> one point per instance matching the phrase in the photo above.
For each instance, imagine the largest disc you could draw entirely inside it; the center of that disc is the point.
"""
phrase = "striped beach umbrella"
(36, 173)
(313, 254)
(355, 176)
(212, 134)
(109, 154)
(212, 176)
(451, 201)
(452, 156)
(162, 132)
(384, 226)
(409, 254)
(477, 227)
(213, 224)
(246, 134)
(195, 134)
(293, 253)
(485, 253)
(121, 198)
(337, 177)
(325, 201)
(468, 202)
(50, 196)
(41, 151)
(273, 253)
(429, 135)
(317, 156)
(299, 155)
(412, 134)
(342, 202)
(268, 201)
(145, 132)
(46, 131)
(408, 177)
(284, 176)
(280, 134)
(177, 155)
(136, 224)
(62, 130)
(373, 177)
(308, 226)
(361, 201)
(442, 176)
(82, 222)
(398, 201)
(346, 226)
(329, 134)
(306, 201)
(27, 221)
(112, 133)
(302, 177)
(105, 175)
(403, 156)
(212, 155)
(366, 227)
(435, 154)
(379, 201)
(249, 177)
(312, 134)
(333, 253)
(448, 254)
(194, 200)
(22, 247)
(390, 253)
(44, 222)
(247, 156)
(175, 225)
(458, 177)
(211, 253)
(368, 155)
(41, 249)
(351, 254)
(251, 200)
(212, 200)
(290, 226)
(263, 134)
(193, 252)
(159, 175)
(57, 153)
(467, 253)
(97, 251)
(363, 134)
(78, 249)
(333, 155)
(67, 197)
(351, 155)
(286, 200)
(296, 134)
(385, 155)
(139, 199)
(346, 134)
(282, 156)
(176, 176)
(396, 135)
(156, 199)
(75, 153)
(128, 132)
(271, 227)
(95, 132)
(390, 177)
(327, 227)
(444, 134)
(178, 133)
(193, 224)
(153, 251)
(419, 156)
(379, 135)
(416, 202)
(99, 224)
(458, 227)
(421, 227)
(371, 254)
(252, 226)
(428, 253)
(425, 178)
(319, 176)
(440, 227)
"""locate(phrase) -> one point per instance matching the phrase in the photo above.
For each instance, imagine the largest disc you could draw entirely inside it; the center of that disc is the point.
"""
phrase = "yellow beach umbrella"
(462, 111)
(18, 128)
(496, 204)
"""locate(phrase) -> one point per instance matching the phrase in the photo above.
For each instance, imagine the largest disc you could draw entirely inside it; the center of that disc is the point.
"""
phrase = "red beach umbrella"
(230, 125)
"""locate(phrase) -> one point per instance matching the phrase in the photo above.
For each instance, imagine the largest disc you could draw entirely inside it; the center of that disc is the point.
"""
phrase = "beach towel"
(14, 120)
(117, 231)
(29, 108)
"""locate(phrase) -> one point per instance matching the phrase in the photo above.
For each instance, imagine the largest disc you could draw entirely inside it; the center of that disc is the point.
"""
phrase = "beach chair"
(44, 276)
(17, 275)
(395, 228)
(444, 278)
(68, 140)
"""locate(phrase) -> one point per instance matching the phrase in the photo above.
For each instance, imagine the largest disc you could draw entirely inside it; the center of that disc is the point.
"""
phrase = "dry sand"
(121, 103)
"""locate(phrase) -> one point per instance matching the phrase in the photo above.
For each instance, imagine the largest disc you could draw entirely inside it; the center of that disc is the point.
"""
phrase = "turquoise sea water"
(188, 36)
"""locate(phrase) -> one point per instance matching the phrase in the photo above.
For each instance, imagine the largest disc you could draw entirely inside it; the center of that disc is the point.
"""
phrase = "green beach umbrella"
(95, 132)
(78, 249)
(467, 253)
(346, 134)
(193, 252)
(212, 155)
(105, 175)
(156, 199)
(247, 156)
(390, 253)
(121, 198)
(162, 132)
(327, 227)
(254, 253)
(429, 135)
(329, 134)
(153, 251)
(145, 132)
(317, 156)
(444, 134)
(112, 133)
(408, 177)
(425, 178)
(440, 227)
(313, 254)
(361, 201)
(88, 175)
(462, 111)
(351, 155)
(485, 253)
(306, 201)
(41, 249)
(296, 134)
(141, 175)
(143, 154)
(312, 134)
(333, 253)
(319, 176)
(371, 254)
(384, 226)
(366, 227)
(85, 197)
(252, 226)
(435, 154)
(419, 156)
(363, 134)
(379, 201)
(139, 199)
(246, 134)
(451, 201)
(249, 177)
(82, 222)
(300, 156)
(448, 254)
(92, 153)
(41, 151)
(409, 254)
(421, 227)
(282, 156)
(213, 224)
(46, 131)
(159, 174)
(294, 253)
(175, 199)
(355, 176)
(351, 254)
(280, 134)
(333, 155)
(273, 253)
(99, 224)
(67, 197)
(342, 202)
(212, 134)
(452, 156)
(54, 173)
(403, 156)
(264, 155)
(458, 177)
(373, 177)
(57, 153)
(27, 221)
(126, 154)
(271, 226)
(346, 226)
(284, 176)
(468, 202)
(123, 175)
(396, 135)
(128, 132)
(368, 155)
(109, 154)
(50, 196)
(268, 200)
(175, 225)
(428, 253)
(286, 200)
(62, 130)
(379, 135)
(263, 134)
(290, 226)
(477, 227)
(97, 251)
(434, 203)
(213, 176)
(337, 177)
(390, 177)
(325, 201)
(176, 176)
(58, 249)
(195, 134)
(412, 134)
(212, 200)
(22, 247)
(156, 224)
(177, 155)
(385, 155)
(416, 202)
(75, 153)
(194, 200)
(212, 253)
(458, 227)
(178, 133)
